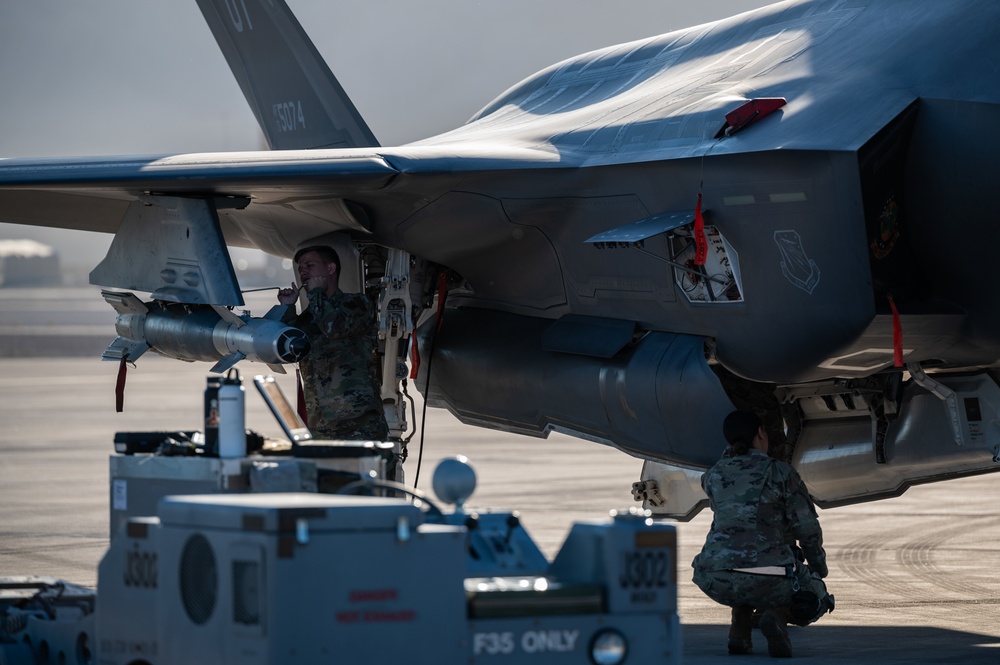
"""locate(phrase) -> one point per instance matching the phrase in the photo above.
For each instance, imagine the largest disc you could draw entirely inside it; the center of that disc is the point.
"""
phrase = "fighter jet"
(789, 210)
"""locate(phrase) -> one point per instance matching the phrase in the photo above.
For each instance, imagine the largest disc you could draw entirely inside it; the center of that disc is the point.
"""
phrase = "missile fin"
(124, 349)
(276, 312)
(226, 362)
(124, 302)
(277, 369)
(229, 316)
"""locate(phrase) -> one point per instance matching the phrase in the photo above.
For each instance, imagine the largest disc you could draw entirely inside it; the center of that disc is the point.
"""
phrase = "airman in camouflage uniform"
(338, 376)
(761, 507)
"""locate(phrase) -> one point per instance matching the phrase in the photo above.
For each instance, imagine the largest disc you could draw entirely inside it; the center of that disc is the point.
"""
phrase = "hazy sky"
(92, 77)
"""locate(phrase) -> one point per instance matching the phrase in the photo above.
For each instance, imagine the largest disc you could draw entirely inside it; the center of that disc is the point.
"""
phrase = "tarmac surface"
(915, 577)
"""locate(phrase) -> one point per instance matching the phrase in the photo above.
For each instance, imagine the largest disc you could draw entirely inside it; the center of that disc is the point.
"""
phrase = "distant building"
(28, 263)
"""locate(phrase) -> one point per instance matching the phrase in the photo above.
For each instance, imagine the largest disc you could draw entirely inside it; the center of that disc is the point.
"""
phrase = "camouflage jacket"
(339, 375)
(757, 501)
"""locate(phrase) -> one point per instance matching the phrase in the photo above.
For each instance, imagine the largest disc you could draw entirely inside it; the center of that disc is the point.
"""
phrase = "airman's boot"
(740, 629)
(774, 625)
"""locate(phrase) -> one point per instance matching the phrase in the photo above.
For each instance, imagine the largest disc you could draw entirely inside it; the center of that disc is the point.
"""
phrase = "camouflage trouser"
(370, 426)
(732, 588)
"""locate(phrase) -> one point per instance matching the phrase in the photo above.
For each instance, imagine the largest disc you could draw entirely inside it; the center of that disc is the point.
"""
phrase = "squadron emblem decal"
(797, 267)
(887, 231)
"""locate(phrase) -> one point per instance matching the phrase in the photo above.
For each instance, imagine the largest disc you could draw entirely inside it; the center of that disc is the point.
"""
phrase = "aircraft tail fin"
(296, 98)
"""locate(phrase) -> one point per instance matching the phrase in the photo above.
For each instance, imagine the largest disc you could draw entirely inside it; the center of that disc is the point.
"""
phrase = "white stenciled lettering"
(237, 17)
(288, 116)
(492, 644)
(542, 641)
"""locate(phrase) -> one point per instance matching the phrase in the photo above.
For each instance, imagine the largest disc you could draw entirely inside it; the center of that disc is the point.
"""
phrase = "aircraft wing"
(295, 195)
(91, 194)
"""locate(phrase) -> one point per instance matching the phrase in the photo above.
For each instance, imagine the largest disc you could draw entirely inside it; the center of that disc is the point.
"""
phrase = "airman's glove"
(818, 566)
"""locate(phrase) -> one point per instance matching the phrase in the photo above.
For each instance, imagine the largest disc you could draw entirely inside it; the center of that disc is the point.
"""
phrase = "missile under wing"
(788, 210)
